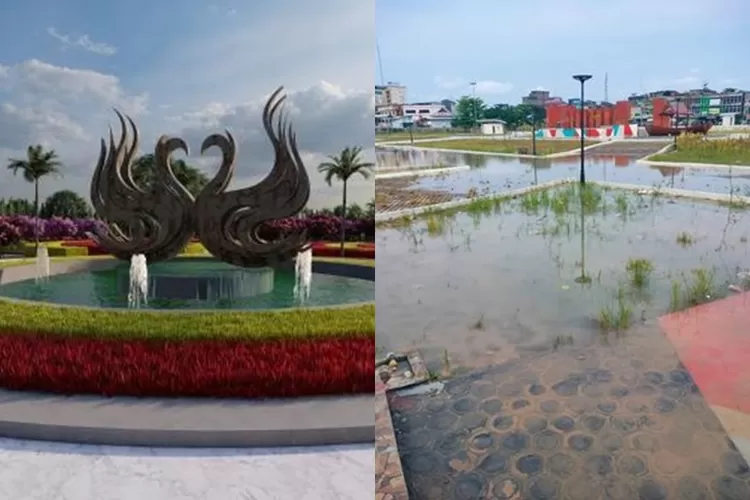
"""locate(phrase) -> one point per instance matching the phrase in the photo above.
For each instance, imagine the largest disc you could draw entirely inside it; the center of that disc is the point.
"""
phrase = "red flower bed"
(320, 249)
(361, 251)
(93, 247)
(199, 368)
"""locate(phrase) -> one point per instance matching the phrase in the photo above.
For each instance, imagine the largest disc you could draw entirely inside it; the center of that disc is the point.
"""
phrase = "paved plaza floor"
(53, 471)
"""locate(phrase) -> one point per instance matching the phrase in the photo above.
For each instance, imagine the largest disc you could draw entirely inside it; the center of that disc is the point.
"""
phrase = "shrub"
(196, 368)
(319, 227)
(9, 233)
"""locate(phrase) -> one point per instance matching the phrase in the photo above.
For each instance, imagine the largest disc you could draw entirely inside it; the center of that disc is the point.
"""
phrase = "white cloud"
(226, 71)
(83, 42)
(325, 117)
(69, 110)
(35, 79)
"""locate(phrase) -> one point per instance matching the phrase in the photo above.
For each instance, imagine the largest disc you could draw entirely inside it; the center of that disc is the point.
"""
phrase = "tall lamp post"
(474, 103)
(533, 133)
(676, 120)
(582, 79)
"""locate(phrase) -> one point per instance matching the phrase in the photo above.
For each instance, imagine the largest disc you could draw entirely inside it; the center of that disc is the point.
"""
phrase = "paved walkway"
(53, 471)
(624, 421)
(713, 342)
(392, 195)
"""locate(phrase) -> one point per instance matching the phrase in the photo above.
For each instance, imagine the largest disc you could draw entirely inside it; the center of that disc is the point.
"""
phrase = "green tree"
(38, 163)
(190, 177)
(343, 167)
(468, 111)
(65, 203)
(353, 211)
(16, 206)
(516, 116)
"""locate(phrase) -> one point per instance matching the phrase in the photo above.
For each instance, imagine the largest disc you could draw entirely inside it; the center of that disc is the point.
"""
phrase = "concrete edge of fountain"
(154, 422)
(28, 271)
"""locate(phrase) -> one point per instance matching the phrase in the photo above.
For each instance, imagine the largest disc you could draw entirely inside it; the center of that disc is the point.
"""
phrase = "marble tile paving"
(55, 471)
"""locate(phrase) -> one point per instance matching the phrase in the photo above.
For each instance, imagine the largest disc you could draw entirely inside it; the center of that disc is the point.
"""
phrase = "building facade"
(390, 94)
(728, 107)
(537, 98)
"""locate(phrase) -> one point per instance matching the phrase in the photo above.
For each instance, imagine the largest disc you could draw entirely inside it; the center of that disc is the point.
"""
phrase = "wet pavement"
(622, 421)
(495, 175)
(399, 193)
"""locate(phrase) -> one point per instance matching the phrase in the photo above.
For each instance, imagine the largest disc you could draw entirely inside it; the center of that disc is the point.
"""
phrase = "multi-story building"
(537, 98)
(390, 94)
(728, 107)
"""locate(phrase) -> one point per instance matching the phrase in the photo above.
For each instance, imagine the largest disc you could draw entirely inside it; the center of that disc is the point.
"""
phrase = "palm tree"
(38, 163)
(342, 167)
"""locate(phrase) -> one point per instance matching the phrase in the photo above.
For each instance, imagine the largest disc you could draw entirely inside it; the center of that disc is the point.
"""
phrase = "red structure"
(660, 105)
(560, 115)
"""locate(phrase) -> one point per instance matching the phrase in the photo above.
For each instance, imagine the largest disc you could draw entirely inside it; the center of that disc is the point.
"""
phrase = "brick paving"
(634, 149)
(397, 194)
(592, 423)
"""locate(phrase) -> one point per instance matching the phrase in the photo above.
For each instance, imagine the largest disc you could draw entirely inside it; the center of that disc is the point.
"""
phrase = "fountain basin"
(207, 283)
(190, 283)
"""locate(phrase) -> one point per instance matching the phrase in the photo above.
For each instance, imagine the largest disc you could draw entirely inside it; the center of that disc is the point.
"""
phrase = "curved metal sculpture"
(158, 221)
(227, 223)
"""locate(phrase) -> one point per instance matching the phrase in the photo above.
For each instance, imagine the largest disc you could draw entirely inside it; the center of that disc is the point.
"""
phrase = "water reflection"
(498, 174)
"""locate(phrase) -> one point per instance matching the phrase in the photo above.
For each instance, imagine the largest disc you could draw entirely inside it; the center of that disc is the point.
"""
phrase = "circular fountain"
(90, 332)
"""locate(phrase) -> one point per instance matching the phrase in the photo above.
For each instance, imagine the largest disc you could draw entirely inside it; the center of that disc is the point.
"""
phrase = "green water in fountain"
(108, 288)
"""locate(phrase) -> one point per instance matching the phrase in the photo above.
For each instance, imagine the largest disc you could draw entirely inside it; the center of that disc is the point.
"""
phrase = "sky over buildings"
(187, 69)
(436, 47)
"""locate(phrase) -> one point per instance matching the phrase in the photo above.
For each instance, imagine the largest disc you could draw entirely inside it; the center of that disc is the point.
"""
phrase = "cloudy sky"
(185, 68)
(436, 47)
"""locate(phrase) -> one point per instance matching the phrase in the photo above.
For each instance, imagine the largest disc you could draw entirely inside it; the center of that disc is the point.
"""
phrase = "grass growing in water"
(675, 296)
(702, 287)
(621, 202)
(684, 239)
(639, 271)
(617, 317)
(435, 224)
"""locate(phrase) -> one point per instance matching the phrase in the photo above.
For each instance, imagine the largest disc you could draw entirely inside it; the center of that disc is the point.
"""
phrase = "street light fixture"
(533, 133)
(582, 79)
(474, 103)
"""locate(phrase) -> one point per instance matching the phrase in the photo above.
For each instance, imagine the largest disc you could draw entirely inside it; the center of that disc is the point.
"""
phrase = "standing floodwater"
(138, 288)
(471, 286)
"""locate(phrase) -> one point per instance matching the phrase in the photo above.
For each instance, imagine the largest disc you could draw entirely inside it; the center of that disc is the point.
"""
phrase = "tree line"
(40, 163)
(469, 110)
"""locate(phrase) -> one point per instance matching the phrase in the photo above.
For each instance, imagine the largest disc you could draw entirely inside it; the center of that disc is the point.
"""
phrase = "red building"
(561, 115)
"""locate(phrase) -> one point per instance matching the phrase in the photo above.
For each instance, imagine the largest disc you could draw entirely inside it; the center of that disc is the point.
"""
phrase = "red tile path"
(713, 342)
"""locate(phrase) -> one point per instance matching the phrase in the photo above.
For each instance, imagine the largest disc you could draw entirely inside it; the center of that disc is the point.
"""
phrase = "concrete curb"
(675, 193)
(121, 421)
(420, 172)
